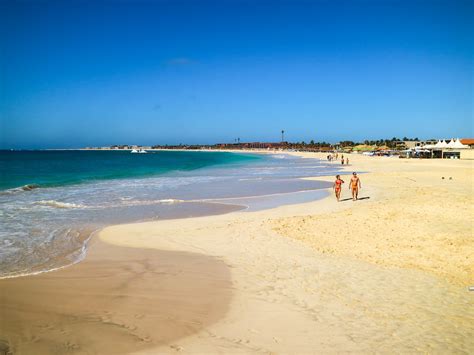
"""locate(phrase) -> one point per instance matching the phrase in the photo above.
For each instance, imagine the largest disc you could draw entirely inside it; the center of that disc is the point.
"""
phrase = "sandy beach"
(388, 273)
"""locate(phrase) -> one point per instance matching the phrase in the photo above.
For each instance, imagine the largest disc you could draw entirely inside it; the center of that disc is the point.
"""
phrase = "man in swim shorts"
(337, 186)
(355, 186)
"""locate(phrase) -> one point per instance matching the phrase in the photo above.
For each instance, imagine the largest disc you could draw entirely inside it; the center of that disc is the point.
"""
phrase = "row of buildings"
(444, 149)
(453, 148)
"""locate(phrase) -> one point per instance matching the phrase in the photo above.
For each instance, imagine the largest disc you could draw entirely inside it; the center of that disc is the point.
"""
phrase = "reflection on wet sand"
(137, 298)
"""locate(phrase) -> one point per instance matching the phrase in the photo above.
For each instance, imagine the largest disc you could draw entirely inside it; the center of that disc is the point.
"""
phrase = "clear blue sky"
(77, 73)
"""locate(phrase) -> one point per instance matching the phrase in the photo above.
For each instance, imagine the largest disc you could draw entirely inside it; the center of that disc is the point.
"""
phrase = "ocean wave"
(14, 190)
(150, 202)
(58, 204)
(170, 200)
(30, 187)
(251, 179)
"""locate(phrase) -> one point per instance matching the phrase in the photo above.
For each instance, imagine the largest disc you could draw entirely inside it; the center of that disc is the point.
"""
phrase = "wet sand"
(118, 300)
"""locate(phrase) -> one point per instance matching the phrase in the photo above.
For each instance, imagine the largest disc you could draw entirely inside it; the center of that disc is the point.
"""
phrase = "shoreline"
(233, 205)
(281, 271)
(171, 208)
(238, 207)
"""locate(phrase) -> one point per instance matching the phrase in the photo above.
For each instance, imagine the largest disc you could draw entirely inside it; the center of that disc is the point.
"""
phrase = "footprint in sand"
(71, 346)
(146, 339)
(176, 347)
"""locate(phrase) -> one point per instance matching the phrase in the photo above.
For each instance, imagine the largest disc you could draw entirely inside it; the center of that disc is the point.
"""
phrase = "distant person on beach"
(337, 186)
(342, 161)
(347, 161)
(354, 186)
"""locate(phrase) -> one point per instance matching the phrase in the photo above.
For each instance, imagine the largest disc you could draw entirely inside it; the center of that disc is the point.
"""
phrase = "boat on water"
(139, 151)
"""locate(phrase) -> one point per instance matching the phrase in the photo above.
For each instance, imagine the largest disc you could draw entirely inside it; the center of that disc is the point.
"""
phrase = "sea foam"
(58, 204)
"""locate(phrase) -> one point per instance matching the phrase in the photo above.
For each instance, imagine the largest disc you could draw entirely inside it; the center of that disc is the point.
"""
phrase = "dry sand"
(384, 274)
(416, 219)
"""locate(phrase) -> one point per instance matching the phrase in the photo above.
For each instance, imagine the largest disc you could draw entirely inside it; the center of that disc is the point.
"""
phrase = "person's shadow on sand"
(350, 199)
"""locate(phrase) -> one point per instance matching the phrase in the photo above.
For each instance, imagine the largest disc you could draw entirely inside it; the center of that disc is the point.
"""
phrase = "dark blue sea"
(51, 201)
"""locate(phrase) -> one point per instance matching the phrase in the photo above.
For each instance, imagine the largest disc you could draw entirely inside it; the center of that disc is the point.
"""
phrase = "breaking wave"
(58, 204)
(28, 187)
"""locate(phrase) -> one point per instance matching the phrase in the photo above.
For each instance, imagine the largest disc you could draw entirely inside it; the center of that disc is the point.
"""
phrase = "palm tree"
(282, 135)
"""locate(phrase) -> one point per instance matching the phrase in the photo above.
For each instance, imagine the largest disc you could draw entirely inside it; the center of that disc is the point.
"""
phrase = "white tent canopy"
(441, 144)
(451, 144)
(457, 144)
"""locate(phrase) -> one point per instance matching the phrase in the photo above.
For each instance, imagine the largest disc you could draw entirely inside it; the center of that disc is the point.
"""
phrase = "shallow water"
(46, 228)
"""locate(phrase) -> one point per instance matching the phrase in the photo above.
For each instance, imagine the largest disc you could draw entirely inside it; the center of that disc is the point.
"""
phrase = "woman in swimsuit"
(337, 186)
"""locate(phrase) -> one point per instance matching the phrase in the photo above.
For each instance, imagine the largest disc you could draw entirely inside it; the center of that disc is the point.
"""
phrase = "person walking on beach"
(347, 161)
(337, 187)
(355, 186)
(342, 161)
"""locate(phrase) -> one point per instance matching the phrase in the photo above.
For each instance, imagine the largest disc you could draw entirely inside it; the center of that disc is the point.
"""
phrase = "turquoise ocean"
(52, 201)
(31, 169)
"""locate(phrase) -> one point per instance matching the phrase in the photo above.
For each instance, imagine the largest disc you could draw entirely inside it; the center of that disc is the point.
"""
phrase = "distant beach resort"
(406, 148)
